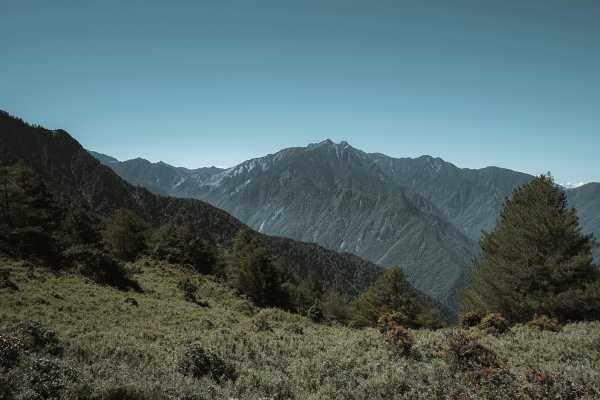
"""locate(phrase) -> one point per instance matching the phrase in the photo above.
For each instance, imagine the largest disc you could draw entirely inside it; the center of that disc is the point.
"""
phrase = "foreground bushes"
(544, 323)
(197, 362)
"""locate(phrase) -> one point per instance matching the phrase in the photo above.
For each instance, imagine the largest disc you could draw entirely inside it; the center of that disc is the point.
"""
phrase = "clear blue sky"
(197, 83)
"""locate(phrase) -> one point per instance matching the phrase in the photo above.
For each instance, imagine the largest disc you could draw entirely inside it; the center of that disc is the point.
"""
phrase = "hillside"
(72, 172)
(101, 343)
(424, 214)
(334, 195)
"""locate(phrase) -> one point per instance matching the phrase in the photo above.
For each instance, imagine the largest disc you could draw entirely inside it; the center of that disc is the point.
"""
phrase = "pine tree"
(181, 244)
(536, 260)
(28, 215)
(125, 235)
(391, 294)
(253, 271)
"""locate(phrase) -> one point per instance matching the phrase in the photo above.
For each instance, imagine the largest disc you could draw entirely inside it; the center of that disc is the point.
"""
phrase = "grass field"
(130, 345)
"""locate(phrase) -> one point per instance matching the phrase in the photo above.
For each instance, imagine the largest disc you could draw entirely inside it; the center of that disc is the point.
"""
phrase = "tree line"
(64, 233)
(535, 262)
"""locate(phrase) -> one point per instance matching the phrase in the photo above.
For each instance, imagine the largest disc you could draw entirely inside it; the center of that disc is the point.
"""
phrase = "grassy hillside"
(129, 345)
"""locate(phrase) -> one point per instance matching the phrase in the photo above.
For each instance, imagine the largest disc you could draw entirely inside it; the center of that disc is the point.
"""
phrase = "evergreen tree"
(79, 226)
(252, 270)
(28, 215)
(536, 260)
(181, 244)
(125, 235)
(306, 297)
(391, 294)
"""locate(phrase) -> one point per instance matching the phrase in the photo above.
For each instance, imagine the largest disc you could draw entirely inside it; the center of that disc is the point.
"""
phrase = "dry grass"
(124, 350)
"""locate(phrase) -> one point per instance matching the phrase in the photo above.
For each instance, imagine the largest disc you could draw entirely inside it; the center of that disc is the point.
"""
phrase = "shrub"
(6, 388)
(188, 288)
(261, 323)
(197, 362)
(387, 320)
(465, 353)
(469, 319)
(48, 379)
(396, 334)
(9, 351)
(34, 337)
(493, 323)
(99, 266)
(544, 323)
(542, 385)
(122, 393)
(5, 282)
(401, 339)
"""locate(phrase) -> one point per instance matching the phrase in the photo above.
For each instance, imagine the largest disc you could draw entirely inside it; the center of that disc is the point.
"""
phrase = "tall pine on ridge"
(536, 260)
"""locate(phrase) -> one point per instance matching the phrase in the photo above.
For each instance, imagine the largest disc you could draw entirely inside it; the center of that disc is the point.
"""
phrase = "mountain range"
(74, 175)
(424, 214)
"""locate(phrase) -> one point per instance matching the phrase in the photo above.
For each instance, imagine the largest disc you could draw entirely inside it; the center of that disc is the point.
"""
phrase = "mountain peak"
(328, 143)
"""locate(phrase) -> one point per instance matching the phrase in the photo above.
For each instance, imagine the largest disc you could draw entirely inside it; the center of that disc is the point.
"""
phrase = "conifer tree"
(125, 235)
(391, 294)
(181, 244)
(28, 214)
(253, 271)
(536, 260)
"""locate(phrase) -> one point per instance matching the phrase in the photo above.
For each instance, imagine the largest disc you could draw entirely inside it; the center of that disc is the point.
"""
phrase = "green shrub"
(7, 387)
(122, 393)
(9, 351)
(493, 323)
(469, 319)
(543, 385)
(261, 323)
(5, 282)
(544, 323)
(197, 362)
(96, 264)
(48, 379)
(34, 337)
(465, 353)
(188, 288)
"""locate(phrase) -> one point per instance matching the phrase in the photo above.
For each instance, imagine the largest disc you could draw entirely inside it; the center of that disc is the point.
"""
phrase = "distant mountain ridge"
(424, 214)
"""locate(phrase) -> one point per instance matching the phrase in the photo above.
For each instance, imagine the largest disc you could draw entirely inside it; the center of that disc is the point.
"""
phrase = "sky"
(510, 83)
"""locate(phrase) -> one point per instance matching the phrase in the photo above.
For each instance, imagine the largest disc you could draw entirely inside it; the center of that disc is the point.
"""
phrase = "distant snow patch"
(571, 185)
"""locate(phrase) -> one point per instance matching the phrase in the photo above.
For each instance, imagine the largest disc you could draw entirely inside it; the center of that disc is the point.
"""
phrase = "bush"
(99, 266)
(542, 385)
(493, 323)
(197, 362)
(48, 379)
(5, 282)
(122, 393)
(401, 338)
(9, 351)
(469, 319)
(387, 320)
(188, 288)
(390, 325)
(34, 337)
(261, 323)
(6, 388)
(465, 353)
(544, 323)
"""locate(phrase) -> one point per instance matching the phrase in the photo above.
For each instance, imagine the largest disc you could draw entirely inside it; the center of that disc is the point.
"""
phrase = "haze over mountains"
(424, 214)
